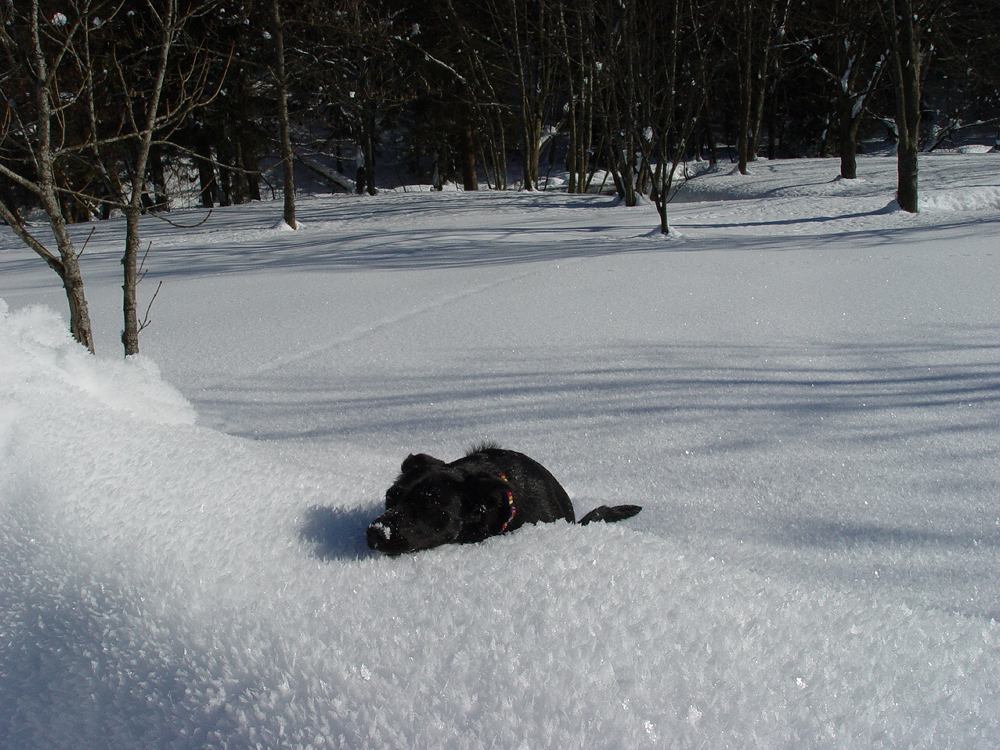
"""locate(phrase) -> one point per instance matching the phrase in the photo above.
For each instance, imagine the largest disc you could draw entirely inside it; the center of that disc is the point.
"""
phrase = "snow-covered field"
(802, 389)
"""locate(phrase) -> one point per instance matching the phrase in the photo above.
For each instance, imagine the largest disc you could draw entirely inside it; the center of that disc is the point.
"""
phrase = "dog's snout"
(380, 534)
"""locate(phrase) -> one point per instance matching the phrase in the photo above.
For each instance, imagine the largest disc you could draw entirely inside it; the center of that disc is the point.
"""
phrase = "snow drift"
(802, 392)
(167, 585)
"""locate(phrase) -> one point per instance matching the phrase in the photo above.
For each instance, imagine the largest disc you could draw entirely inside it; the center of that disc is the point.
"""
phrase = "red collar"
(510, 503)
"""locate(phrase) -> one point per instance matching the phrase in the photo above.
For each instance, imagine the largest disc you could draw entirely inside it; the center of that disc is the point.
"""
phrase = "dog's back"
(539, 497)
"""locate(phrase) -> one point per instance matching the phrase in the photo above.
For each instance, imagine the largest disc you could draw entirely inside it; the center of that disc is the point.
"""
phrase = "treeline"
(102, 100)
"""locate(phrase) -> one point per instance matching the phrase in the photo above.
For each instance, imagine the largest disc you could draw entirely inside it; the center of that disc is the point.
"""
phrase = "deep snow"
(801, 388)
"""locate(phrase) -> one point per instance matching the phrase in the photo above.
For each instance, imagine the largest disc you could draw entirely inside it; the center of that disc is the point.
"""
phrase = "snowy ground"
(802, 389)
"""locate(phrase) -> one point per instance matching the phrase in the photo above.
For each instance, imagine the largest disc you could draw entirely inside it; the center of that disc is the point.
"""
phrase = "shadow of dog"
(336, 534)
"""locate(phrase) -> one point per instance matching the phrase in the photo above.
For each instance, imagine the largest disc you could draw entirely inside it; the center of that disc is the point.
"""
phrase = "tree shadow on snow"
(337, 534)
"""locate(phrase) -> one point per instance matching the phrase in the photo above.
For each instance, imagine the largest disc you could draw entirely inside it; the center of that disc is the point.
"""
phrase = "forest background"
(131, 107)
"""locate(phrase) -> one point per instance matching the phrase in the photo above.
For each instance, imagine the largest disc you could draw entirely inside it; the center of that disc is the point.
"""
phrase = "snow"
(975, 148)
(801, 390)
(973, 199)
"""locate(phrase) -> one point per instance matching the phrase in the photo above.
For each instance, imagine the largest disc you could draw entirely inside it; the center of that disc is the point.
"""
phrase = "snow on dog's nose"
(380, 530)
(382, 536)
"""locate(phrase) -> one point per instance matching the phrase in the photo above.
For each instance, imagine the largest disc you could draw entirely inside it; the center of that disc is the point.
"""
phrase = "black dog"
(488, 492)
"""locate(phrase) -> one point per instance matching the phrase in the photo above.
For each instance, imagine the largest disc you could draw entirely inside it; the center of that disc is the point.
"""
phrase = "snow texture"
(801, 388)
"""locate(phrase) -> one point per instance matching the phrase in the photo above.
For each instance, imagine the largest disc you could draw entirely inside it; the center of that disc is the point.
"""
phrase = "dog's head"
(432, 503)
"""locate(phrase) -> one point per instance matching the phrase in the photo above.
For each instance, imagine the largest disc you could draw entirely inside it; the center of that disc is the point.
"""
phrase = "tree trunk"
(160, 189)
(531, 138)
(130, 259)
(287, 155)
(369, 154)
(906, 175)
(906, 56)
(499, 151)
(206, 172)
(773, 34)
(745, 86)
(360, 179)
(743, 134)
(69, 268)
(68, 265)
(847, 139)
(707, 135)
(775, 134)
(757, 114)
(659, 194)
(571, 105)
(585, 119)
(226, 155)
(225, 182)
(130, 282)
(470, 180)
(79, 311)
(237, 177)
(437, 182)
(249, 163)
(572, 181)
(848, 159)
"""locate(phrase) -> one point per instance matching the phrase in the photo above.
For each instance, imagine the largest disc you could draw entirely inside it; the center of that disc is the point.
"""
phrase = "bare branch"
(145, 318)
(179, 225)
(83, 248)
(20, 229)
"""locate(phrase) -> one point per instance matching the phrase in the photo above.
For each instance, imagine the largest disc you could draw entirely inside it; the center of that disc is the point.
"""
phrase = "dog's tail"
(608, 513)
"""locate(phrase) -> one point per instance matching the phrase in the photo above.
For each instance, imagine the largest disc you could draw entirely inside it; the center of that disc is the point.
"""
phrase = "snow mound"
(975, 148)
(38, 354)
(967, 199)
(164, 585)
(970, 176)
(766, 180)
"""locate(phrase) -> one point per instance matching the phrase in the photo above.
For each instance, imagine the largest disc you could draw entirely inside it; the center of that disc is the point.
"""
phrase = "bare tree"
(139, 74)
(967, 67)
(680, 65)
(133, 209)
(474, 63)
(97, 86)
(36, 46)
(526, 28)
(576, 31)
(622, 95)
(760, 25)
(355, 59)
(843, 41)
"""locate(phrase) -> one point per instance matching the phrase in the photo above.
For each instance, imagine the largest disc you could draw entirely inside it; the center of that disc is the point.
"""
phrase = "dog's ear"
(419, 462)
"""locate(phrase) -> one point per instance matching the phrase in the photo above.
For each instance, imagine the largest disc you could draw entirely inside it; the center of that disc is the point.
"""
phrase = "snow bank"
(38, 356)
(968, 199)
(970, 179)
(165, 585)
(975, 148)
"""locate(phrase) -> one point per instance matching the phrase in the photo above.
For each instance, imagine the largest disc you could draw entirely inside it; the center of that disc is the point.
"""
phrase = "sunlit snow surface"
(802, 387)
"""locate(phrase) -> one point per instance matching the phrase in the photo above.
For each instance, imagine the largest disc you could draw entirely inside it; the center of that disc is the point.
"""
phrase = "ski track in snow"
(353, 336)
(802, 389)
